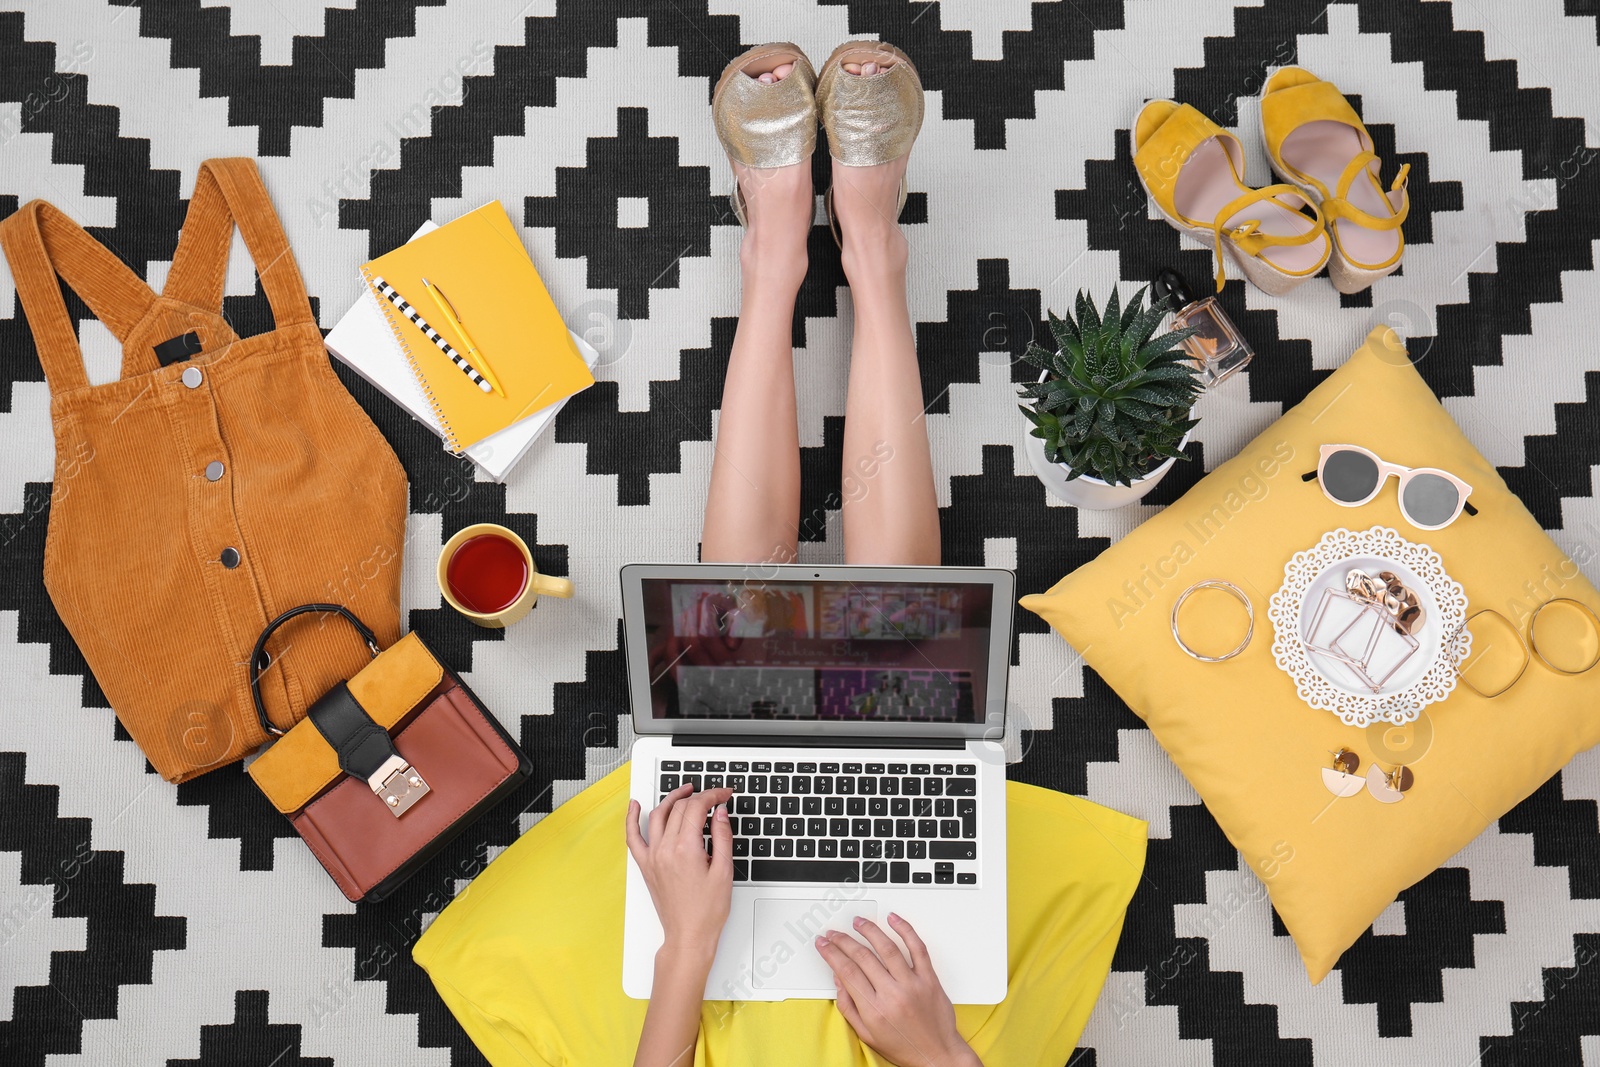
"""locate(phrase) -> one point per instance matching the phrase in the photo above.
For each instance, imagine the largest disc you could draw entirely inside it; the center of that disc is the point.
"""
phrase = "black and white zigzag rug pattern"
(142, 923)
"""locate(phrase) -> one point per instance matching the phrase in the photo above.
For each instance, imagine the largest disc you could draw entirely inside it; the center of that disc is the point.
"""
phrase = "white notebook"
(364, 341)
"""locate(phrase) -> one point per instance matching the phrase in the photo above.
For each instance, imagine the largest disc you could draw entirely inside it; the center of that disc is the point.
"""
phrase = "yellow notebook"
(480, 264)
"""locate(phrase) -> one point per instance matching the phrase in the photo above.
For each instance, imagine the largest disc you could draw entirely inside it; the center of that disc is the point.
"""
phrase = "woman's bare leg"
(891, 511)
(753, 505)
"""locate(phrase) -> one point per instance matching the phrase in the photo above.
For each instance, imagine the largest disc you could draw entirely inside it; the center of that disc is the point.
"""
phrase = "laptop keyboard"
(825, 823)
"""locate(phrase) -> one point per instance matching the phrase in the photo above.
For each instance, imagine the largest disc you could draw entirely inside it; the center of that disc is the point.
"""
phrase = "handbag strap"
(260, 661)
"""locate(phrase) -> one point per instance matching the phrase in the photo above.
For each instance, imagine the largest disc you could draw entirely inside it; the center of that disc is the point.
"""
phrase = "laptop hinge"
(817, 741)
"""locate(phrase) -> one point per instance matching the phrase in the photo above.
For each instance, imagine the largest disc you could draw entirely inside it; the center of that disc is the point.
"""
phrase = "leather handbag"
(386, 767)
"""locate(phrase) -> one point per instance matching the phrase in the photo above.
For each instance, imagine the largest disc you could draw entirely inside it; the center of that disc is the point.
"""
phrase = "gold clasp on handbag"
(397, 785)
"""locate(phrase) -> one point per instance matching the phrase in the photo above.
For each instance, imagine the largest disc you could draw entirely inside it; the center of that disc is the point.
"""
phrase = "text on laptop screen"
(818, 650)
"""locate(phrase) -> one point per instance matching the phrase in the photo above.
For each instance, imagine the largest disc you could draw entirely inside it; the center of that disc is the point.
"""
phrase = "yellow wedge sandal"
(1190, 166)
(1316, 140)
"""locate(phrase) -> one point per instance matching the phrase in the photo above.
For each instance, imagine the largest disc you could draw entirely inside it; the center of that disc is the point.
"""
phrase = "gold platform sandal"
(1316, 140)
(765, 124)
(870, 119)
(1191, 168)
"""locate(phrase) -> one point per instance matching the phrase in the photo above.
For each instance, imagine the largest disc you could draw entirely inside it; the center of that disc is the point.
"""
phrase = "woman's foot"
(778, 207)
(778, 202)
(866, 202)
(767, 77)
(870, 100)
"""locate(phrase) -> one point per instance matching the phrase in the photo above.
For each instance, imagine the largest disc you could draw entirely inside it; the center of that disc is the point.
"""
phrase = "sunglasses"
(1430, 499)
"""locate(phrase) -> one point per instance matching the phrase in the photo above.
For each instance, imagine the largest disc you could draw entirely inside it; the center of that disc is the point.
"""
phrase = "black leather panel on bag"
(361, 744)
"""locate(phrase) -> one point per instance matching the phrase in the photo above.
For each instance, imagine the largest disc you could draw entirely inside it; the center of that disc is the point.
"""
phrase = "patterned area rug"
(143, 923)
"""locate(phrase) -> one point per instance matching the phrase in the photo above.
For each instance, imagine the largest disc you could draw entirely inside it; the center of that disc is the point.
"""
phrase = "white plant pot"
(1086, 491)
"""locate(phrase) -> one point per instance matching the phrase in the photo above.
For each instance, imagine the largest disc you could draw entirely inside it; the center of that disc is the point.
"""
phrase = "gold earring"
(1389, 788)
(1341, 779)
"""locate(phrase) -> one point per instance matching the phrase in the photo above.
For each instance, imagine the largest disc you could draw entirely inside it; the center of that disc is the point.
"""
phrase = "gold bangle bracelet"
(1461, 675)
(1533, 634)
(1229, 587)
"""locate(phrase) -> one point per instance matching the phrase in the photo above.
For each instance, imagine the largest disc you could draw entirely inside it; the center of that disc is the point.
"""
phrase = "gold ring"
(1239, 594)
(1533, 634)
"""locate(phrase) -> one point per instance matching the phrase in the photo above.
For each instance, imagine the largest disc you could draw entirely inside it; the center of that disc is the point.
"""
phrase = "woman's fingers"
(913, 940)
(865, 959)
(722, 843)
(893, 959)
(847, 1008)
(846, 971)
(689, 814)
(663, 811)
(679, 800)
(630, 830)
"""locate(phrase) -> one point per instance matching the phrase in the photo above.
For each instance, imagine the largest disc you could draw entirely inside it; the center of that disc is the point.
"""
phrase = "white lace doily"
(1404, 704)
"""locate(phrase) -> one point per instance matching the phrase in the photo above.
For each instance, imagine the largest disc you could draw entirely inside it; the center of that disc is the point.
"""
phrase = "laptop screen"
(818, 650)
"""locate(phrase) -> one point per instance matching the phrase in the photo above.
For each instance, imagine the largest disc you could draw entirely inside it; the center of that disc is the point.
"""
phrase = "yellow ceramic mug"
(487, 573)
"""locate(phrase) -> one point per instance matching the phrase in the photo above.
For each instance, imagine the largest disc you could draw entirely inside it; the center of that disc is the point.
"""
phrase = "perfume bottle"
(1218, 349)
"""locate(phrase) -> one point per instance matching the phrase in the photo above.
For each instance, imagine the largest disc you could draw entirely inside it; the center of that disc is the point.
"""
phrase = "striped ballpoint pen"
(391, 294)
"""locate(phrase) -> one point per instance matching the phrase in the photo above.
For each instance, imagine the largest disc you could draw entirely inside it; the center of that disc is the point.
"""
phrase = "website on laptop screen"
(818, 650)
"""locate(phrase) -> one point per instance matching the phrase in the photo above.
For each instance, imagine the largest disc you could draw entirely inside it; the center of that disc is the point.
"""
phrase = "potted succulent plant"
(1110, 411)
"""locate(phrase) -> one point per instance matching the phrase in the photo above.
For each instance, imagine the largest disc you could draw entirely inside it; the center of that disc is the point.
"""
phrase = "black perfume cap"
(1170, 283)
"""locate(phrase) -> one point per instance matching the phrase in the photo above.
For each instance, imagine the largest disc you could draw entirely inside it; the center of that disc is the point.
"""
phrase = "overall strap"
(229, 191)
(41, 242)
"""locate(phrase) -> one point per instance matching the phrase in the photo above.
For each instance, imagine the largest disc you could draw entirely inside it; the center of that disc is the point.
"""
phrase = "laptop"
(857, 714)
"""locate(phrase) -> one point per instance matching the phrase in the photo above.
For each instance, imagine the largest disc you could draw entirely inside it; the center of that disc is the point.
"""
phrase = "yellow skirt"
(529, 956)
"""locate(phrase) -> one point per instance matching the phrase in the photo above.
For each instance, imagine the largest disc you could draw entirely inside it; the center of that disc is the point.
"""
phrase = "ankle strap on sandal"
(1338, 206)
(1248, 235)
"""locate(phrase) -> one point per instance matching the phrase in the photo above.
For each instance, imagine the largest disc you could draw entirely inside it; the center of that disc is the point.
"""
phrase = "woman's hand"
(691, 890)
(894, 1004)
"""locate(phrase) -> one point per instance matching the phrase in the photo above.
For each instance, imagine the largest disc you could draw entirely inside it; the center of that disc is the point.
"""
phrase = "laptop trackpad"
(783, 950)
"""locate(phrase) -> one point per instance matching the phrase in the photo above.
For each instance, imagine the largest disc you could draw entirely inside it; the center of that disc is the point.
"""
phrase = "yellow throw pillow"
(1248, 744)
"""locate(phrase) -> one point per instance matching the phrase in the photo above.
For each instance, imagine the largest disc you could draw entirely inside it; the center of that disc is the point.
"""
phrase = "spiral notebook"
(498, 295)
(363, 341)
